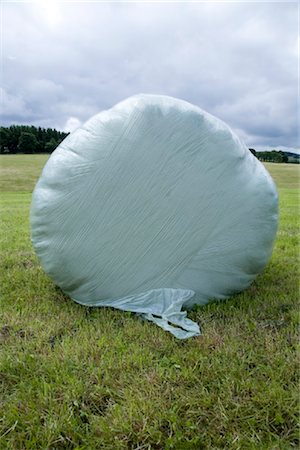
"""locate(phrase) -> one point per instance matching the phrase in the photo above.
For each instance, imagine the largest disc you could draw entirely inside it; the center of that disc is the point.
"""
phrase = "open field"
(79, 378)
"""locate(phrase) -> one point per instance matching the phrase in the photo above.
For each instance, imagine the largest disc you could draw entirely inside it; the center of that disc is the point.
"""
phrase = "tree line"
(272, 156)
(29, 139)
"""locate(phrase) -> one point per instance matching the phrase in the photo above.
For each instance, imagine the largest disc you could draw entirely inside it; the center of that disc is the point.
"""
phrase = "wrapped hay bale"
(151, 207)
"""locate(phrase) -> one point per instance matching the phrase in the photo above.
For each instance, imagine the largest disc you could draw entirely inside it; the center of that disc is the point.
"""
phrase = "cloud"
(13, 106)
(72, 124)
(235, 60)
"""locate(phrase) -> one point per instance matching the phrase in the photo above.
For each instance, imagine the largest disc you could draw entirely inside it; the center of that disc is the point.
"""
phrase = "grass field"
(79, 378)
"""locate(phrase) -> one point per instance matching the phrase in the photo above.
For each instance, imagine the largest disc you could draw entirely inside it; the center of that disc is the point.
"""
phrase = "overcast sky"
(63, 62)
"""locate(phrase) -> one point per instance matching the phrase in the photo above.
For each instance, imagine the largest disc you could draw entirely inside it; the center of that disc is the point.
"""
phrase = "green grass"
(285, 175)
(79, 378)
(19, 173)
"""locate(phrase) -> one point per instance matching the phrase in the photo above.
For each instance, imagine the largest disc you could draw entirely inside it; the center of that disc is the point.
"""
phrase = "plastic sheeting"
(153, 206)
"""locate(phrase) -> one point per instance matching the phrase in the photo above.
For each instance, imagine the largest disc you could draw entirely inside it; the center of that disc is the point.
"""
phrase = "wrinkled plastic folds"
(151, 207)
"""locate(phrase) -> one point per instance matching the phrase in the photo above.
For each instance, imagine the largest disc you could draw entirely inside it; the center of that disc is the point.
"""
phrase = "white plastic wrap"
(148, 203)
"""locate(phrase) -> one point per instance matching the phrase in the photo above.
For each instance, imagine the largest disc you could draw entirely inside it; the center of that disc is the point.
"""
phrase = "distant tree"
(285, 158)
(41, 143)
(27, 142)
(4, 140)
(51, 145)
(252, 151)
(13, 138)
(272, 156)
(12, 142)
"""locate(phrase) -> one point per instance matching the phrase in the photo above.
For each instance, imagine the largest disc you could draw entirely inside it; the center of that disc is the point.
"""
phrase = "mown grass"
(19, 173)
(79, 378)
